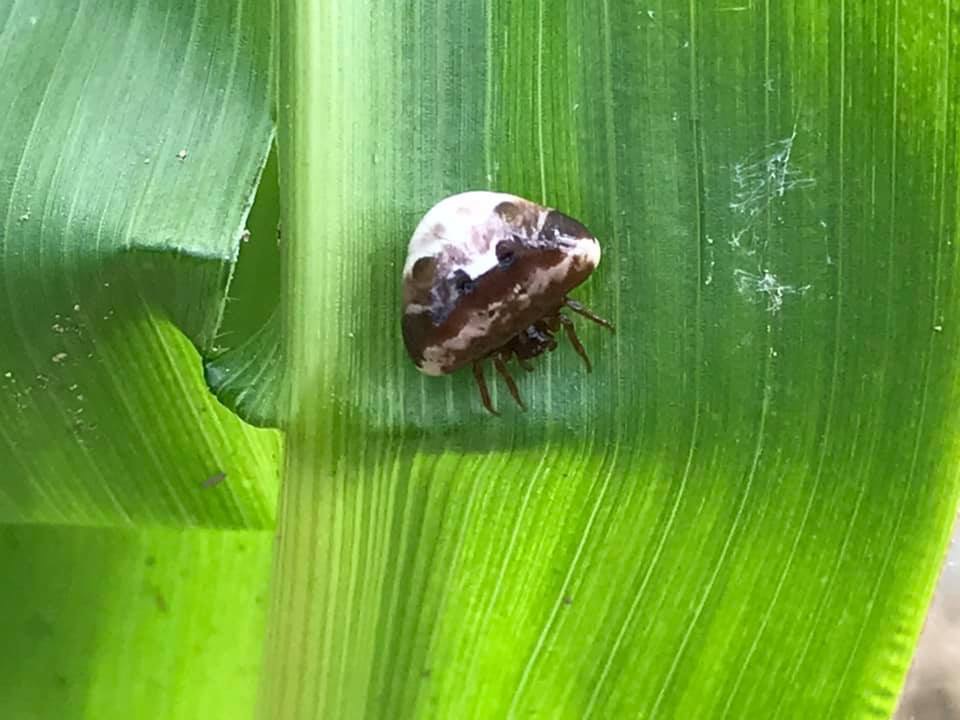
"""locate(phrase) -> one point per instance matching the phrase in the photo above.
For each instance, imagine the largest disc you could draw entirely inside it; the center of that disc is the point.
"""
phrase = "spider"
(486, 278)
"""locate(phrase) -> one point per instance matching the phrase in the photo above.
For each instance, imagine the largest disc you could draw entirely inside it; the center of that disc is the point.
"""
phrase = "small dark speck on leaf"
(215, 479)
(425, 674)
(567, 600)
(150, 561)
(161, 602)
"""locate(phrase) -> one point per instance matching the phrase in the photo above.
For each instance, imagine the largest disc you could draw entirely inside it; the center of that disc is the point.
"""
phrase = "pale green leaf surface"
(741, 512)
(131, 143)
(132, 623)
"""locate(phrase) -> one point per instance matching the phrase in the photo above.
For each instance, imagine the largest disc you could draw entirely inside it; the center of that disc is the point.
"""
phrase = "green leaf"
(248, 376)
(741, 512)
(174, 632)
(132, 142)
(130, 150)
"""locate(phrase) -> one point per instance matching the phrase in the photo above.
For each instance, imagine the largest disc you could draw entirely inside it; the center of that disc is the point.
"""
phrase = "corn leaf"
(130, 148)
(741, 512)
(114, 622)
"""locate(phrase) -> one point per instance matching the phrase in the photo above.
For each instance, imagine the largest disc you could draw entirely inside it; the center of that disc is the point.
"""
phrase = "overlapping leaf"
(133, 137)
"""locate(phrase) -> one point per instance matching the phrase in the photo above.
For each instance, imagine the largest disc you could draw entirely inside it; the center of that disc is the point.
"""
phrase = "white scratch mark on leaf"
(772, 176)
(765, 286)
(760, 180)
(711, 261)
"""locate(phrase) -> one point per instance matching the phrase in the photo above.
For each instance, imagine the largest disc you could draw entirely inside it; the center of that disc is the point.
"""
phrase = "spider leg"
(581, 309)
(551, 325)
(508, 379)
(574, 340)
(482, 386)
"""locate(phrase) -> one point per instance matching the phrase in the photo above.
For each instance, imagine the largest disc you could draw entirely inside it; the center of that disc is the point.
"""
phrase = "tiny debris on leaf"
(215, 479)
(182, 155)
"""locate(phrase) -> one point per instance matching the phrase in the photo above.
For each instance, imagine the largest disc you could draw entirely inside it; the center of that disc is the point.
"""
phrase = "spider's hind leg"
(482, 386)
(501, 367)
(582, 309)
(574, 340)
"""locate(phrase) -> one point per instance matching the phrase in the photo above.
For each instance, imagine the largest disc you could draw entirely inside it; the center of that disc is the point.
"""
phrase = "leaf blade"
(744, 509)
(107, 244)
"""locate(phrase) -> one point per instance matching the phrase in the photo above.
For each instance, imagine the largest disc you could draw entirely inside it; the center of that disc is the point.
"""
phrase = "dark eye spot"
(506, 254)
(463, 282)
(507, 210)
(558, 225)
